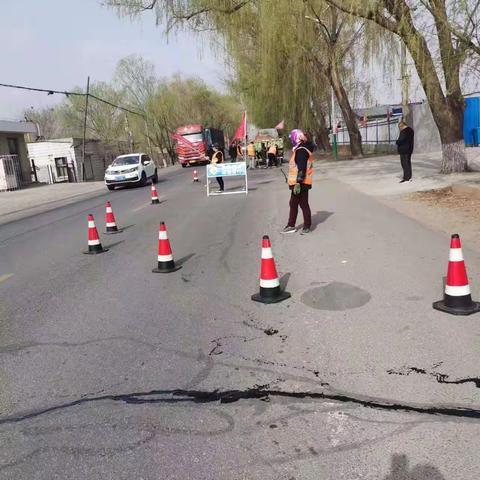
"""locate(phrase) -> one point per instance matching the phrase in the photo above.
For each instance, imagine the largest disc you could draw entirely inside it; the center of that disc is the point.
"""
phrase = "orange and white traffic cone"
(110, 223)
(166, 264)
(457, 299)
(195, 176)
(94, 245)
(155, 199)
(270, 291)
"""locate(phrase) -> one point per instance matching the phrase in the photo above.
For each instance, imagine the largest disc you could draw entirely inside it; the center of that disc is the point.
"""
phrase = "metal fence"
(374, 132)
(11, 177)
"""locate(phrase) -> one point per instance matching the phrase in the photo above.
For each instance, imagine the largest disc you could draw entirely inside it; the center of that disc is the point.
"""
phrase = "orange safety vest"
(251, 150)
(273, 149)
(293, 169)
(217, 157)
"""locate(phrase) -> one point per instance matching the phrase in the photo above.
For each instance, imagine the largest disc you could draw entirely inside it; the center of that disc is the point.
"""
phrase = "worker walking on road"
(272, 155)
(300, 179)
(217, 157)
(251, 155)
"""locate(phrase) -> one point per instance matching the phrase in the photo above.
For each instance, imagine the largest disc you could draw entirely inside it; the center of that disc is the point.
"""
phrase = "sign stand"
(237, 169)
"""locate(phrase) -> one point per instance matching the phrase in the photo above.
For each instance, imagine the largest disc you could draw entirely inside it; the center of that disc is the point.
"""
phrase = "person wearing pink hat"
(300, 180)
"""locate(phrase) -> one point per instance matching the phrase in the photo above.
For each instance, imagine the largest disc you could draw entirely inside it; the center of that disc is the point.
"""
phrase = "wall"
(427, 138)
(23, 154)
(44, 154)
(98, 156)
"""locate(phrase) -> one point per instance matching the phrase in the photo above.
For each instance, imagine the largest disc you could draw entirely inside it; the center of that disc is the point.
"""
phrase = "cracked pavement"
(108, 371)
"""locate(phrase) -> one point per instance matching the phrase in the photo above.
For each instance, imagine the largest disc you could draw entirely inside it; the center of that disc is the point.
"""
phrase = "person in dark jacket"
(232, 152)
(300, 179)
(405, 149)
(218, 157)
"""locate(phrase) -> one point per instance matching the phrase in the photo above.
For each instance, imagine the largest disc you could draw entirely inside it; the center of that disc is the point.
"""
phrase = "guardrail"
(11, 177)
(374, 132)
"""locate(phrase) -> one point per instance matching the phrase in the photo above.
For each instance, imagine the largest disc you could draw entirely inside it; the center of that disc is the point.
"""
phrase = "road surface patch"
(336, 296)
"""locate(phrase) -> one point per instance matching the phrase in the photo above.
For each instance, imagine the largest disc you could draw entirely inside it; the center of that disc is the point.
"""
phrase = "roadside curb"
(45, 207)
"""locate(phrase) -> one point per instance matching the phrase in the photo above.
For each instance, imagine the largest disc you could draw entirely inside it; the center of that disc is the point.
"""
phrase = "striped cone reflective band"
(94, 245)
(166, 264)
(195, 176)
(110, 223)
(154, 195)
(270, 291)
(457, 299)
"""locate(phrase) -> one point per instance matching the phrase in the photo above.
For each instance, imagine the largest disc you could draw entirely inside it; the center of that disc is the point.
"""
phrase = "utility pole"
(405, 77)
(85, 128)
(334, 129)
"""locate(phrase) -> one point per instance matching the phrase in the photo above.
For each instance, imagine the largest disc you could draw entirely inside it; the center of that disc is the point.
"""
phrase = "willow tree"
(438, 54)
(271, 73)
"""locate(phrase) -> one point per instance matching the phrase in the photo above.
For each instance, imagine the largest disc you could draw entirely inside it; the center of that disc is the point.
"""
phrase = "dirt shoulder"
(445, 209)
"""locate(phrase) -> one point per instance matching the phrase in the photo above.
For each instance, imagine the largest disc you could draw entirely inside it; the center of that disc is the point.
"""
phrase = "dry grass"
(446, 198)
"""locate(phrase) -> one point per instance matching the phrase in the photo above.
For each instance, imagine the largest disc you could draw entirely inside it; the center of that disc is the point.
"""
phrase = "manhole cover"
(336, 296)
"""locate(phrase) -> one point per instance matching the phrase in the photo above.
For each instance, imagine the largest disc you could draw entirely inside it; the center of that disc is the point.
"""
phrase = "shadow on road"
(184, 259)
(114, 244)
(284, 280)
(318, 218)
(400, 470)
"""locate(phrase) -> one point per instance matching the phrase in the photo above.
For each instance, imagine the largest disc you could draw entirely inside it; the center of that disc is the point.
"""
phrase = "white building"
(61, 160)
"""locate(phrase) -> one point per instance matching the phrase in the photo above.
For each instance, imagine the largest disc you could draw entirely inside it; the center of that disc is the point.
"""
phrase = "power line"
(67, 94)
(49, 91)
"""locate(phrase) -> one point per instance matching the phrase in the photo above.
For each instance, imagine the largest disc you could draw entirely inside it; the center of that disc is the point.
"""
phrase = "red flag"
(280, 126)
(241, 130)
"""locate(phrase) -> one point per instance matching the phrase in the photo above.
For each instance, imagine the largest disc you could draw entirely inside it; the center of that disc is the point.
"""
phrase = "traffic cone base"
(270, 291)
(270, 295)
(118, 230)
(457, 299)
(167, 267)
(453, 306)
(95, 250)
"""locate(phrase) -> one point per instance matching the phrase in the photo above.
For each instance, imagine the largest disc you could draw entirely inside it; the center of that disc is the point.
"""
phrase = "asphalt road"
(108, 371)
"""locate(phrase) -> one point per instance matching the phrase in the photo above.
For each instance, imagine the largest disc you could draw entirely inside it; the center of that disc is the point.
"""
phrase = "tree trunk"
(322, 131)
(347, 111)
(449, 121)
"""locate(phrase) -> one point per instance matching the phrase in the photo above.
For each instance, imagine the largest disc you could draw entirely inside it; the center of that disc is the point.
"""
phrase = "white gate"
(10, 173)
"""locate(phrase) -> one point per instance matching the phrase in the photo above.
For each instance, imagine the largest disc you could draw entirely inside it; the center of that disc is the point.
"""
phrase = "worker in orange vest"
(272, 155)
(217, 157)
(300, 180)
(251, 155)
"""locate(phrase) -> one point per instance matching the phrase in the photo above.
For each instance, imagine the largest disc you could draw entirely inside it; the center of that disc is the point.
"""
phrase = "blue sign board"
(227, 170)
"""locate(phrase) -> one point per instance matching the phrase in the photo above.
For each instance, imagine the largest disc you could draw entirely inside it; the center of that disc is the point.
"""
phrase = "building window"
(12, 146)
(61, 166)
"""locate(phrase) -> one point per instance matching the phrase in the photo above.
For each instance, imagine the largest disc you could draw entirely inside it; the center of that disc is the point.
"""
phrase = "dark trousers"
(406, 161)
(302, 200)
(220, 182)
(272, 160)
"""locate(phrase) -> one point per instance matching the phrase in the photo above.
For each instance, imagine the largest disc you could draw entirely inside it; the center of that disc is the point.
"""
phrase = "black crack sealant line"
(440, 377)
(255, 393)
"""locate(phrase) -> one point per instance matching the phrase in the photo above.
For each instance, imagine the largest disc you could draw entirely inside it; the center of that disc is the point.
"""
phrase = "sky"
(57, 44)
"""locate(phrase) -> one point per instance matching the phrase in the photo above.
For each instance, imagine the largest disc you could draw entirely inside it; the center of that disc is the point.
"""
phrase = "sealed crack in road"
(256, 393)
(439, 377)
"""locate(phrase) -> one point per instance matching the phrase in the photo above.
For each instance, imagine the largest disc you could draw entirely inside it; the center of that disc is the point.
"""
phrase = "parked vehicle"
(202, 140)
(133, 168)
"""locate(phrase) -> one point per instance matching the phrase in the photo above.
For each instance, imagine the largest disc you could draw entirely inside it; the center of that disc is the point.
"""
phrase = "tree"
(48, 121)
(438, 73)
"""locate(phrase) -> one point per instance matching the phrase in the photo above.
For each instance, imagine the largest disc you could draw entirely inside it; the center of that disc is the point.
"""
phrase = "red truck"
(202, 140)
